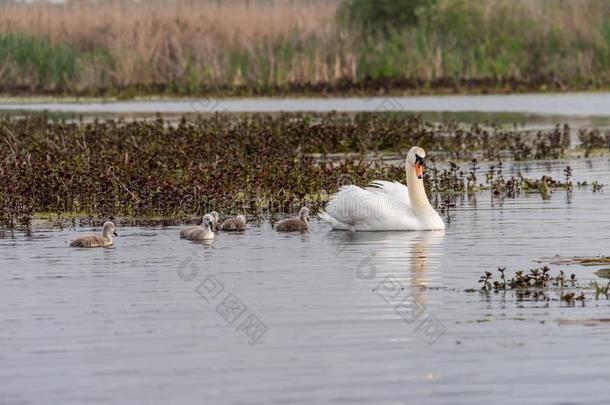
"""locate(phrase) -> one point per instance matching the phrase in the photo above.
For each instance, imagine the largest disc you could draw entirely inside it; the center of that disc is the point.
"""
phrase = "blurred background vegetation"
(187, 47)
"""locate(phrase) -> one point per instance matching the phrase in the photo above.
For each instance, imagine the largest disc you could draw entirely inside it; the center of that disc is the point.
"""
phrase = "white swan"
(386, 206)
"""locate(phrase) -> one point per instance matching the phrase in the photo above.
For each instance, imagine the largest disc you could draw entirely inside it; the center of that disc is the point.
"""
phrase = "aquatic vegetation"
(603, 273)
(592, 139)
(450, 181)
(535, 278)
(579, 260)
(585, 322)
(595, 186)
(601, 290)
(567, 172)
(253, 164)
(536, 285)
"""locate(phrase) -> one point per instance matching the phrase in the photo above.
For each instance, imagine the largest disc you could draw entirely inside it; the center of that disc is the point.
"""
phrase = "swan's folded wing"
(188, 231)
(353, 205)
(89, 241)
(394, 190)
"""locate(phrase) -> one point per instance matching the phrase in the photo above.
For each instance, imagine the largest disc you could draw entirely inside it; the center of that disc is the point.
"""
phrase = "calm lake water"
(263, 317)
(577, 109)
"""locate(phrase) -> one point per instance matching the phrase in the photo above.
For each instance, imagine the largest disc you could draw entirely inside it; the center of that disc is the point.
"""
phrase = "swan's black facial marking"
(114, 233)
(419, 166)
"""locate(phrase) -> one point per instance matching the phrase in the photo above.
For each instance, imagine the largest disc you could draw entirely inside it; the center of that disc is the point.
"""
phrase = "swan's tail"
(325, 216)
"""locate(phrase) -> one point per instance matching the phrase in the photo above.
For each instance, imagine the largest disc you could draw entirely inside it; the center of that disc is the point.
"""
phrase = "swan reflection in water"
(413, 258)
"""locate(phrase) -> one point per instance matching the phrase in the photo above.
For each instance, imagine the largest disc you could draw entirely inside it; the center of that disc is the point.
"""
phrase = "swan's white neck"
(417, 193)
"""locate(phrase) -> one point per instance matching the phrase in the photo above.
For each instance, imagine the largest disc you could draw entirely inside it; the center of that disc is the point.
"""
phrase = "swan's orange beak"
(419, 170)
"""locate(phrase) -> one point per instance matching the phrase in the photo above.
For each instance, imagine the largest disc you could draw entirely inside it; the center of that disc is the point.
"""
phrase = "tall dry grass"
(127, 43)
(188, 46)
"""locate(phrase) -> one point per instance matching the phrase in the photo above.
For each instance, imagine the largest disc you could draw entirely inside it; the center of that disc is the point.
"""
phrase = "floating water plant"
(536, 285)
(535, 278)
(593, 139)
(601, 290)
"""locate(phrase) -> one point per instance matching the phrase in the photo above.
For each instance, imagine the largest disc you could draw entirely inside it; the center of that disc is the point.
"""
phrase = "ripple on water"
(130, 322)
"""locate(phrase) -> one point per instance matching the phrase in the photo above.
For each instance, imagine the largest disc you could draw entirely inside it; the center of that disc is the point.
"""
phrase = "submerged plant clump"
(537, 284)
(592, 139)
(252, 164)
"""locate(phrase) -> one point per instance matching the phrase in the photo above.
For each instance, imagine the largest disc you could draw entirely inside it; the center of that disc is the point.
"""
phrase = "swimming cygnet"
(91, 241)
(216, 226)
(296, 223)
(199, 233)
(236, 224)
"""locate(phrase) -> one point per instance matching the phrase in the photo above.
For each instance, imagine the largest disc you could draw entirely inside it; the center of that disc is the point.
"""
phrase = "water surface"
(130, 324)
(579, 109)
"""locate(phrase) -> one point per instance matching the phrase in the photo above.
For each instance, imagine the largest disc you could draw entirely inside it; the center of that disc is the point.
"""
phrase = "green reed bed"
(34, 65)
(256, 164)
(262, 47)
